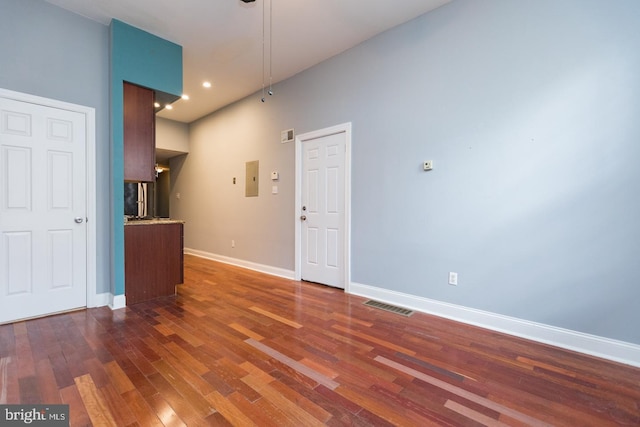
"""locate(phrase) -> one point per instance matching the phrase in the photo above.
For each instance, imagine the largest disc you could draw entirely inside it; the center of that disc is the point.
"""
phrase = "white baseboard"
(117, 301)
(606, 348)
(618, 351)
(267, 269)
(100, 300)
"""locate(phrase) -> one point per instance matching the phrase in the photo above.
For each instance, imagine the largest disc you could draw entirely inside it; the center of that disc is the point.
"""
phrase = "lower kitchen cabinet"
(153, 264)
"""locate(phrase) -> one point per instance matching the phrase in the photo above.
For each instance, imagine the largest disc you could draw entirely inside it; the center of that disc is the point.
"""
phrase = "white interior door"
(43, 210)
(323, 208)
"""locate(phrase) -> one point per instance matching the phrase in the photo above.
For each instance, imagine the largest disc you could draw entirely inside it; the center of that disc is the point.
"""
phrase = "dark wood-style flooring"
(236, 347)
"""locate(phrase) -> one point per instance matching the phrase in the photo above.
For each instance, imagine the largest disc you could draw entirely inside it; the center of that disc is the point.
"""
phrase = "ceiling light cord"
(270, 47)
(264, 50)
(263, 66)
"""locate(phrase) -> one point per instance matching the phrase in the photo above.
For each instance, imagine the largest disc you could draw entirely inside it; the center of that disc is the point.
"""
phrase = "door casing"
(299, 140)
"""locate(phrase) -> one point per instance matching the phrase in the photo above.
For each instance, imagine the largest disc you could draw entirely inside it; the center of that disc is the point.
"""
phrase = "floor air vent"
(389, 307)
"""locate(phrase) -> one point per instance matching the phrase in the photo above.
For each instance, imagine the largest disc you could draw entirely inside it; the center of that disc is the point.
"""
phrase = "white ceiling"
(222, 39)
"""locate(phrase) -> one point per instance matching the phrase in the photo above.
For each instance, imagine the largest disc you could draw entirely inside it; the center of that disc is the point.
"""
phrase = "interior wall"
(49, 52)
(529, 113)
(172, 135)
(162, 199)
(172, 140)
(215, 208)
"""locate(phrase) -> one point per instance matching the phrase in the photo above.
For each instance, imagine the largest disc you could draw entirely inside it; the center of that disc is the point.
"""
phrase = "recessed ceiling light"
(156, 104)
(206, 84)
(169, 107)
(185, 96)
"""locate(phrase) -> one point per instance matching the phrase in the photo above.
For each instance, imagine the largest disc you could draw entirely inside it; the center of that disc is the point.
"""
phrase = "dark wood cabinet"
(153, 264)
(139, 133)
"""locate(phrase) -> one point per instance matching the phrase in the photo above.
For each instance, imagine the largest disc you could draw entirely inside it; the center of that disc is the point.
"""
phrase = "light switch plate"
(453, 278)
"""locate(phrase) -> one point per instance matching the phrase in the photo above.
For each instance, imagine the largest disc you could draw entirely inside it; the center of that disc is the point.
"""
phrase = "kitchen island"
(153, 264)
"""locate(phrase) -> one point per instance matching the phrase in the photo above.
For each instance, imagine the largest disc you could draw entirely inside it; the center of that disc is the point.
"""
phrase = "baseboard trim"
(100, 300)
(617, 351)
(267, 269)
(117, 302)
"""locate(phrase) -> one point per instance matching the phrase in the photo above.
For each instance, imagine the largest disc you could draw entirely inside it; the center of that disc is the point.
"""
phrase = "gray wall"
(162, 188)
(49, 52)
(217, 210)
(171, 135)
(530, 113)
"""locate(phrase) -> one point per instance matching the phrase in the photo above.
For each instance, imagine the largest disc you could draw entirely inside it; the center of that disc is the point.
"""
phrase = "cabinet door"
(153, 264)
(139, 133)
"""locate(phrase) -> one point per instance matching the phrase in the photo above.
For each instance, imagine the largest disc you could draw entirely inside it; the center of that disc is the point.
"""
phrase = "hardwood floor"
(236, 347)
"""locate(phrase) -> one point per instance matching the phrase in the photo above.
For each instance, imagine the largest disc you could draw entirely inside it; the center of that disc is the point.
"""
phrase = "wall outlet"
(453, 278)
(233, 243)
(427, 165)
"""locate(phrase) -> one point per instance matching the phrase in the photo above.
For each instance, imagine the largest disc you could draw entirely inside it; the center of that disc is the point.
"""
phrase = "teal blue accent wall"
(146, 60)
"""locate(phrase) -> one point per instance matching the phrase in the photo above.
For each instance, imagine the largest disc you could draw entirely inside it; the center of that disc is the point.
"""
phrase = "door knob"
(303, 217)
(78, 220)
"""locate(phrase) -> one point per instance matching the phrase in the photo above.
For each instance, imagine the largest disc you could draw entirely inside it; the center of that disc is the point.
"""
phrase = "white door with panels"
(43, 210)
(323, 206)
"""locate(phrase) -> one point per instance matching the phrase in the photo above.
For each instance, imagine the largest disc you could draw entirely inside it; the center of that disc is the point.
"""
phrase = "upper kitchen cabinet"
(139, 133)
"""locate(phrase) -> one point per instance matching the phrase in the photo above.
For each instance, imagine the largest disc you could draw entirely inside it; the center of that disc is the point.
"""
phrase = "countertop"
(153, 221)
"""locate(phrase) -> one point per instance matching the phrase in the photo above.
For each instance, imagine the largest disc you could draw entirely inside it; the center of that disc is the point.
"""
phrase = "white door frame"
(300, 139)
(90, 121)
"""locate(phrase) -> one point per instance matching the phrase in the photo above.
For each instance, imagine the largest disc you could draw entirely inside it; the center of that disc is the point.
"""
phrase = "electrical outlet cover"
(453, 278)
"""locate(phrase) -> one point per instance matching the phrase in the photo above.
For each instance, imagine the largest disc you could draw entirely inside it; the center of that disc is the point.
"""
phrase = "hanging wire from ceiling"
(270, 92)
(263, 51)
(270, 47)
